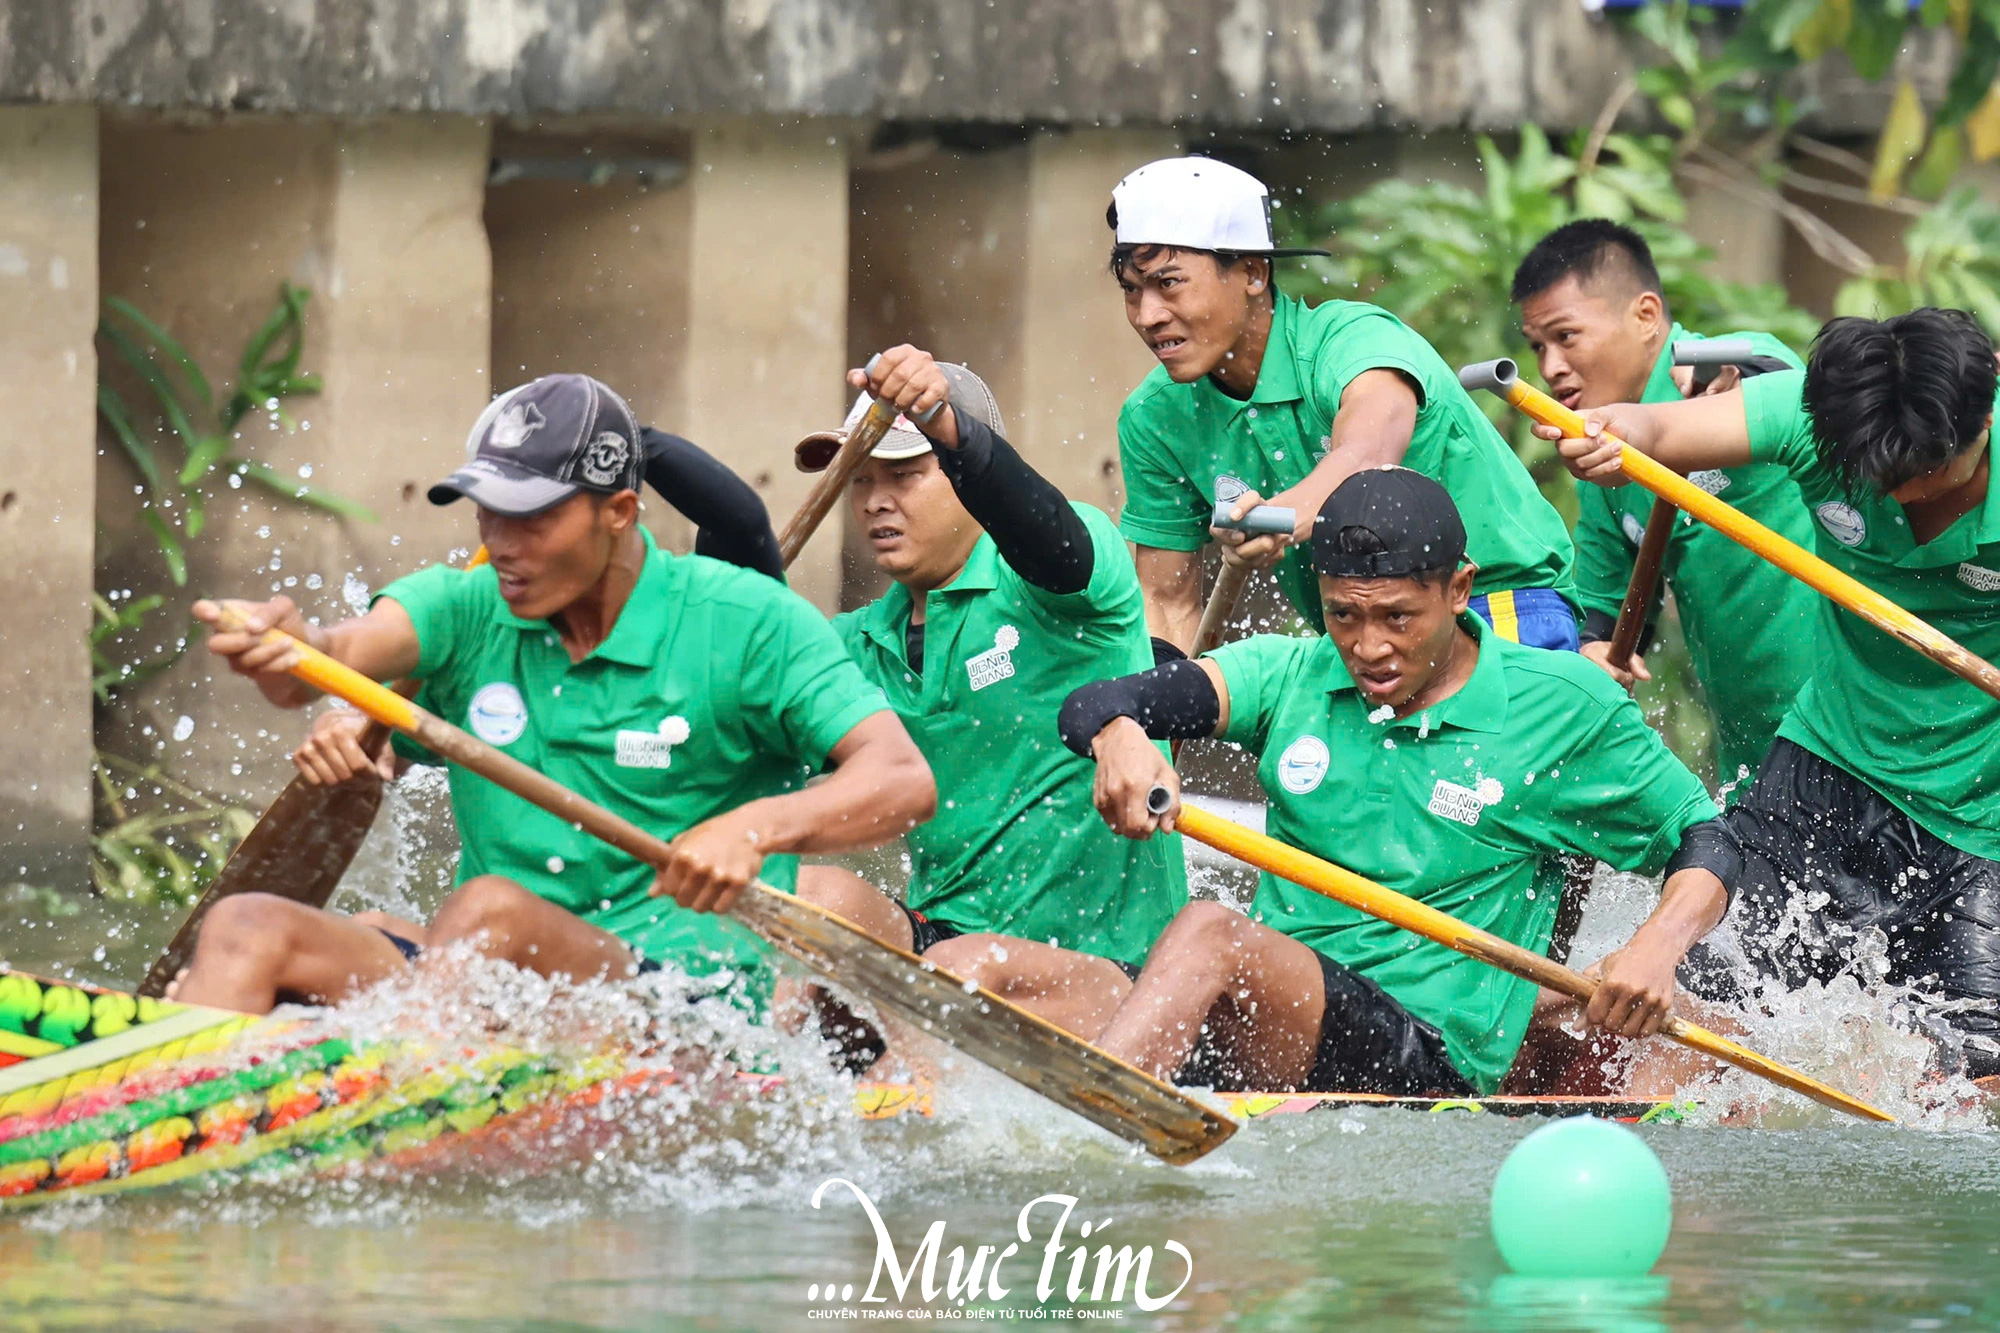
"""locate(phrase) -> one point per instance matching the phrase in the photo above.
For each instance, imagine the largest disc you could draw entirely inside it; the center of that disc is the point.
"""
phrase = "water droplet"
(183, 727)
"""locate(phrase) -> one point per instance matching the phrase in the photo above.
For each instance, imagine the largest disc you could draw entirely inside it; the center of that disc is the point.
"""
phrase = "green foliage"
(1442, 257)
(1951, 258)
(109, 622)
(185, 405)
(165, 841)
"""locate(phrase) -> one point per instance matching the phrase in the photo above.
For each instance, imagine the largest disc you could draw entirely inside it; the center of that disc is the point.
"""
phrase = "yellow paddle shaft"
(1407, 913)
(1745, 531)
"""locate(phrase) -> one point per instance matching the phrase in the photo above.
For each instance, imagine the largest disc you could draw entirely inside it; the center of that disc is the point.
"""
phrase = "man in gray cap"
(1006, 597)
(1416, 746)
(688, 695)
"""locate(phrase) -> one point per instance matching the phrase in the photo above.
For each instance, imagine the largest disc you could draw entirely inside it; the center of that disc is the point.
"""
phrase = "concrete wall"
(381, 220)
(48, 379)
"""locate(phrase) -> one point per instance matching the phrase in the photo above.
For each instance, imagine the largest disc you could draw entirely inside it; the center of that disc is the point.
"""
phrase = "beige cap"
(969, 394)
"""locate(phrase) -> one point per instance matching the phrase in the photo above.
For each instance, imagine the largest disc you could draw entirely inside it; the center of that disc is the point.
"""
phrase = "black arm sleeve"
(1176, 701)
(1039, 535)
(1709, 846)
(731, 522)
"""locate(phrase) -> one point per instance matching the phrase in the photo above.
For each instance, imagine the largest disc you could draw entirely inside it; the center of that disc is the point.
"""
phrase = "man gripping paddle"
(1876, 814)
(689, 695)
(1420, 749)
(1257, 389)
(1006, 596)
(1594, 315)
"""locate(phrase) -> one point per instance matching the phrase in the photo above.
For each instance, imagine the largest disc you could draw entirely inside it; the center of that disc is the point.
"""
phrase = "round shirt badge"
(498, 715)
(1303, 765)
(1007, 639)
(1843, 522)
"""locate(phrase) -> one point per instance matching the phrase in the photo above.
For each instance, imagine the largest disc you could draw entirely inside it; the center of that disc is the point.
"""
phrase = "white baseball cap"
(1196, 203)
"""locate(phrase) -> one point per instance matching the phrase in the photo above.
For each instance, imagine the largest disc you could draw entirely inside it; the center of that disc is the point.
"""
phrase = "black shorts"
(1811, 830)
(926, 931)
(1368, 1042)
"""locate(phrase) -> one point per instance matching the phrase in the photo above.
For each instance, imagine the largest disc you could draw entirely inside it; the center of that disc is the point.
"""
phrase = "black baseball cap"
(1387, 523)
(537, 445)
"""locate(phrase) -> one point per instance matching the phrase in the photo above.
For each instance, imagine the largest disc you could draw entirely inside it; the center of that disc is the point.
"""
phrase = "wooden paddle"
(1502, 377)
(1033, 1052)
(853, 452)
(299, 848)
(1386, 904)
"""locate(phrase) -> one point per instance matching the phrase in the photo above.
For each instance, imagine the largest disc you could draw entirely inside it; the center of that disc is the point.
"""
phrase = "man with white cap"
(1006, 597)
(690, 696)
(1260, 398)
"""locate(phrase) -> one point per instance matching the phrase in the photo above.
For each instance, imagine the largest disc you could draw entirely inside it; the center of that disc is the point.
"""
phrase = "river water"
(702, 1217)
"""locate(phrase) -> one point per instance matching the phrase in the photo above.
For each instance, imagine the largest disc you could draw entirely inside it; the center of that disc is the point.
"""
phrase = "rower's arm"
(880, 788)
(1707, 432)
(381, 645)
(1170, 581)
(1037, 531)
(1117, 722)
(1635, 987)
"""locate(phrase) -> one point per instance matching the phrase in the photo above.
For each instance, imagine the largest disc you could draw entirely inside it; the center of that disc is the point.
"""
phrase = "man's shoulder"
(1562, 680)
(720, 587)
(1157, 396)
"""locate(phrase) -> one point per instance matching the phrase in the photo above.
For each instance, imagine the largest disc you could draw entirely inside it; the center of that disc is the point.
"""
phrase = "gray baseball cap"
(969, 394)
(540, 443)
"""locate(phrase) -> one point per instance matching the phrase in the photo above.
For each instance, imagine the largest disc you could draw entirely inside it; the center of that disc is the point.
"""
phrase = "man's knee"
(983, 959)
(260, 924)
(488, 903)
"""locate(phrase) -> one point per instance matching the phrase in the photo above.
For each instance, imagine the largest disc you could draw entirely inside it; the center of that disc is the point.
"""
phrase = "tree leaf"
(1876, 35)
(1902, 136)
(1939, 163)
(1972, 82)
(291, 489)
(1812, 28)
(170, 547)
(167, 343)
(112, 408)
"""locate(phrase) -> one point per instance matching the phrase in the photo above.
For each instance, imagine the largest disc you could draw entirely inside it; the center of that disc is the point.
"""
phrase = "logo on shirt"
(497, 714)
(1228, 487)
(1465, 804)
(1980, 580)
(997, 663)
(1303, 765)
(1635, 531)
(652, 749)
(1843, 522)
(1712, 480)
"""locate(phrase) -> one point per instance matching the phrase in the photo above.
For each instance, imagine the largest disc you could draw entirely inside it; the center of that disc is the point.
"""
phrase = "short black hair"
(1586, 249)
(1893, 399)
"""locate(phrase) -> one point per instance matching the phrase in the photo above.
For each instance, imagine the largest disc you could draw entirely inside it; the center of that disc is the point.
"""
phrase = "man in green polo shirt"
(1876, 815)
(1257, 395)
(690, 696)
(1006, 596)
(1419, 748)
(1593, 312)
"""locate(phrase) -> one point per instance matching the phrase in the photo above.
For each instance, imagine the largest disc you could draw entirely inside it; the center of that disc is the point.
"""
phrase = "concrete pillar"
(48, 375)
(996, 258)
(1748, 240)
(767, 286)
(593, 278)
(381, 220)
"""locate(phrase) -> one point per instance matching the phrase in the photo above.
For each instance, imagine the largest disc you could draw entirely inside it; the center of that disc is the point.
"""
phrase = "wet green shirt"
(1926, 740)
(1016, 846)
(1463, 806)
(716, 686)
(1748, 623)
(1177, 440)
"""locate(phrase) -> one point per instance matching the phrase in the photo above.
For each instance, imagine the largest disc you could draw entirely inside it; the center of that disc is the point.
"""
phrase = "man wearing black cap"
(688, 695)
(1417, 747)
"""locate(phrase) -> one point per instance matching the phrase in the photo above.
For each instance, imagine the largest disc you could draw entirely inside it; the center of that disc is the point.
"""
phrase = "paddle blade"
(1033, 1052)
(298, 850)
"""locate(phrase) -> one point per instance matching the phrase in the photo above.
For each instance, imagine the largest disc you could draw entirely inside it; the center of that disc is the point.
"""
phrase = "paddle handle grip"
(1261, 520)
(1324, 877)
(1646, 568)
(833, 482)
(1502, 377)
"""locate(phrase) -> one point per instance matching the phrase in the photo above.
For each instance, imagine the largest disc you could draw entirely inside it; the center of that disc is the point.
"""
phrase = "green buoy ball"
(1582, 1198)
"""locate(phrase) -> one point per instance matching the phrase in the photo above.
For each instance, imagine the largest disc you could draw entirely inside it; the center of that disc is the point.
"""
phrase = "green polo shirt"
(1748, 623)
(1177, 440)
(1463, 806)
(1926, 740)
(1016, 846)
(716, 686)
